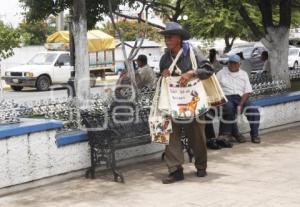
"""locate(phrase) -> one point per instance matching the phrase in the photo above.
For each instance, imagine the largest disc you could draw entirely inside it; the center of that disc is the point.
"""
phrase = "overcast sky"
(10, 12)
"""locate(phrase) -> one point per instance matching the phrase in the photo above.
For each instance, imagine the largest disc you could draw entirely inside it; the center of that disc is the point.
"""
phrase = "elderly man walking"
(237, 88)
(174, 38)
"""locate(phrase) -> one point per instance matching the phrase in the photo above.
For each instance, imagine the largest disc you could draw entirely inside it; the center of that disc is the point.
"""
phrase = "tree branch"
(265, 7)
(285, 10)
(178, 11)
(296, 3)
(136, 18)
(254, 28)
(127, 63)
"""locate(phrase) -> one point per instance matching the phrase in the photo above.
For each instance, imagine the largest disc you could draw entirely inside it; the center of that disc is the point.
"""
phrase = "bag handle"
(192, 58)
(156, 97)
(171, 68)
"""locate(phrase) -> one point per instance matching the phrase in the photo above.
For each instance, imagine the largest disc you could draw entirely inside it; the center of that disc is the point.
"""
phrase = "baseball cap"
(234, 58)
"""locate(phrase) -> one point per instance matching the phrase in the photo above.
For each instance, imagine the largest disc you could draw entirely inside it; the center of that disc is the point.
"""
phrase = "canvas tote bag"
(160, 123)
(183, 102)
(215, 94)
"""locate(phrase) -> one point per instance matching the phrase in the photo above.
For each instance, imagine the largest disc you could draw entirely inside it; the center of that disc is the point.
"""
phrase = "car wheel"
(17, 88)
(295, 65)
(43, 83)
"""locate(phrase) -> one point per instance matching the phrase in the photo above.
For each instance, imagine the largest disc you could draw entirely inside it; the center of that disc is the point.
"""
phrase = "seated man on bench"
(237, 88)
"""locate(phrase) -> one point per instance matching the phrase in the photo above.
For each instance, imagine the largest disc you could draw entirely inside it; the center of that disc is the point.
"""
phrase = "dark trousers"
(209, 127)
(173, 153)
(228, 124)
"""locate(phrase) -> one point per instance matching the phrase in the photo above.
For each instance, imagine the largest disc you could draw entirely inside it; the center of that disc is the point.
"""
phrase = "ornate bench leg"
(90, 173)
(118, 177)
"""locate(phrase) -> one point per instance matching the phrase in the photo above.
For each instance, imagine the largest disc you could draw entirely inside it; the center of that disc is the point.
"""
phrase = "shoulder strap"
(171, 68)
(193, 58)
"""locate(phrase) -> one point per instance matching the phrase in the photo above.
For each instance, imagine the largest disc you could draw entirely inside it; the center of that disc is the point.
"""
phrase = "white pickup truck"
(46, 69)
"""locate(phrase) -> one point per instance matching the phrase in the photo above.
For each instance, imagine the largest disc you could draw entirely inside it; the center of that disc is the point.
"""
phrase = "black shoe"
(240, 138)
(224, 143)
(255, 140)
(174, 177)
(201, 173)
(213, 144)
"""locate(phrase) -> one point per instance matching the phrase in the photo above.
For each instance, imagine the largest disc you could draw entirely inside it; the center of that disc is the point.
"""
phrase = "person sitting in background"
(237, 88)
(267, 66)
(144, 75)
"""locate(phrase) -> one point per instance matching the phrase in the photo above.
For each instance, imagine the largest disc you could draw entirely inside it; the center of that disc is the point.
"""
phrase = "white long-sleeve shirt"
(234, 83)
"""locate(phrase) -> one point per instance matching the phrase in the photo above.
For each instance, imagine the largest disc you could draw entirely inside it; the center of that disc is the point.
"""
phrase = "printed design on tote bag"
(189, 107)
(187, 102)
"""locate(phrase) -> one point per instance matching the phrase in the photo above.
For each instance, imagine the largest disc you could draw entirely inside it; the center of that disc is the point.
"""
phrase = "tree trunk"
(228, 44)
(277, 42)
(82, 75)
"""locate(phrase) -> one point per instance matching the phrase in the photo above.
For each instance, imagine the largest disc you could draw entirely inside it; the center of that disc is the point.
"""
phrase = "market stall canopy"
(97, 41)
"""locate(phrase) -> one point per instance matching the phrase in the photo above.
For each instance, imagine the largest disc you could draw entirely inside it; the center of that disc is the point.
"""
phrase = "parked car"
(46, 69)
(252, 51)
(252, 62)
(294, 58)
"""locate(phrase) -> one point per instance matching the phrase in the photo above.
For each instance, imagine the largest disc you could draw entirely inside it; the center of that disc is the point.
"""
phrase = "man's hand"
(166, 73)
(185, 78)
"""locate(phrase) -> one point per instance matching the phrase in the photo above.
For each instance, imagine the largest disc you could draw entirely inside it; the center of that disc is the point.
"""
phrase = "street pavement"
(31, 94)
(247, 175)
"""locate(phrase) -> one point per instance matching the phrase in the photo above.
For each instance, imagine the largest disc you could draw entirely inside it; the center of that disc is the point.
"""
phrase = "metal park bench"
(122, 125)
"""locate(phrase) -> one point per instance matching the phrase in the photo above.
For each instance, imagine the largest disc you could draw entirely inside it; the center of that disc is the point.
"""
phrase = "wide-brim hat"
(177, 29)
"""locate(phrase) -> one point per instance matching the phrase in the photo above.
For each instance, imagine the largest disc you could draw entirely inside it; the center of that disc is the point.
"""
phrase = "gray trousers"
(174, 156)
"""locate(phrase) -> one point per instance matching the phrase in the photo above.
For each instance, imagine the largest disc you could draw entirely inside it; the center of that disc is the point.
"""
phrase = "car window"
(247, 52)
(65, 59)
(261, 49)
(293, 52)
(42, 59)
(239, 49)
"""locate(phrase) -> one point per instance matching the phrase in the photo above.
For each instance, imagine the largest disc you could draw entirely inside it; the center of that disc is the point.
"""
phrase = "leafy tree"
(277, 17)
(129, 29)
(35, 33)
(95, 9)
(266, 20)
(85, 14)
(9, 39)
(217, 20)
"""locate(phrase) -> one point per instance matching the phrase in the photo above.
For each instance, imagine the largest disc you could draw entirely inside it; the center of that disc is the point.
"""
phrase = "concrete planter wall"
(40, 154)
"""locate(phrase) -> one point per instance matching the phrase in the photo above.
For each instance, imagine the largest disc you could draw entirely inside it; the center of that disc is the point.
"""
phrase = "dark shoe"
(240, 138)
(226, 137)
(224, 143)
(212, 144)
(201, 173)
(173, 177)
(255, 140)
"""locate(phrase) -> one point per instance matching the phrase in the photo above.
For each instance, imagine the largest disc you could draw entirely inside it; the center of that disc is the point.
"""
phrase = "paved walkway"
(246, 175)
